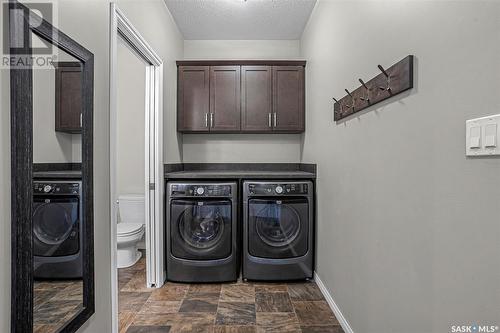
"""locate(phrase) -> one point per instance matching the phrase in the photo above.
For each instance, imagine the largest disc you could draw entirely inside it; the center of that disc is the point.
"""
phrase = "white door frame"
(154, 184)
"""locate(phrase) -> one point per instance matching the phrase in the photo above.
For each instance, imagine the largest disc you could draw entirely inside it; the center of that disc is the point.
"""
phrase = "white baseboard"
(329, 299)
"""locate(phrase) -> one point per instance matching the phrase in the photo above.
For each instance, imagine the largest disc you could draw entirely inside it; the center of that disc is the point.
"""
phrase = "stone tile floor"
(240, 307)
(55, 304)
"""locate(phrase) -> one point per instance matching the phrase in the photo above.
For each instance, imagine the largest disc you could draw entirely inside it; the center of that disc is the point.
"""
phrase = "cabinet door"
(256, 99)
(68, 95)
(288, 98)
(193, 99)
(225, 98)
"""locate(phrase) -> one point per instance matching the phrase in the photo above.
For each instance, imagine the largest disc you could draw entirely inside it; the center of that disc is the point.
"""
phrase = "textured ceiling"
(239, 19)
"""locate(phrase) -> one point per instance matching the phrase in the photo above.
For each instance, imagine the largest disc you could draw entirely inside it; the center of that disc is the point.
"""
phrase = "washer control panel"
(200, 190)
(40, 188)
(278, 189)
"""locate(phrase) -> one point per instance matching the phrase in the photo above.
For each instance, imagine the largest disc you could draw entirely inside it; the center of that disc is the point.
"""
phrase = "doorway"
(123, 34)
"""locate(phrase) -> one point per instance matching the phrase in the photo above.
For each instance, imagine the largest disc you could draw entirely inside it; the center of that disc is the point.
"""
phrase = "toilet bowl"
(130, 229)
(129, 235)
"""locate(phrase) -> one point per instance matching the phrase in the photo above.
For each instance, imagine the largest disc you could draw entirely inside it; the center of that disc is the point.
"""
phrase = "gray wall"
(87, 21)
(131, 98)
(241, 147)
(408, 226)
(241, 49)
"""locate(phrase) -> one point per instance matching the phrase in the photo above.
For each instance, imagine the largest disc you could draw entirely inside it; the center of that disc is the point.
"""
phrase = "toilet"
(130, 229)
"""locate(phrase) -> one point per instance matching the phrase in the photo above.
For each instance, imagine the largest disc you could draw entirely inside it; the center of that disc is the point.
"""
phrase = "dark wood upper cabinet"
(288, 98)
(193, 99)
(68, 95)
(225, 98)
(256, 99)
(252, 96)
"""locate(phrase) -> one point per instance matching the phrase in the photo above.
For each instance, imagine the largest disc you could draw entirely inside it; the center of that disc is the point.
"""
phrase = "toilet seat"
(125, 229)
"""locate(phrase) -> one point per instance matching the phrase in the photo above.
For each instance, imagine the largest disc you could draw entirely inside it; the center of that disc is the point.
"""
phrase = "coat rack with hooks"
(390, 82)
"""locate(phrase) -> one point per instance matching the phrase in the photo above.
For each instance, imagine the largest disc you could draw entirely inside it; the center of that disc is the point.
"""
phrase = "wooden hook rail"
(390, 82)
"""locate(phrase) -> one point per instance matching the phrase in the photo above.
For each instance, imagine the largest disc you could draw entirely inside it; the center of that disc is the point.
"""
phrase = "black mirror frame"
(21, 22)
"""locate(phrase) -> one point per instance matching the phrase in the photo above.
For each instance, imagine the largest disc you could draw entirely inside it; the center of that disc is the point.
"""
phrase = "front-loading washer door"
(56, 226)
(200, 229)
(278, 228)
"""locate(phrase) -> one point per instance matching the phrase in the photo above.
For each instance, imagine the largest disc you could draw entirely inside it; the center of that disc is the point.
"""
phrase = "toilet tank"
(131, 208)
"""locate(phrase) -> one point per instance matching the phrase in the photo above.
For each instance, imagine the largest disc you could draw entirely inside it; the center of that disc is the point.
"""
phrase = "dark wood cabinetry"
(68, 97)
(225, 98)
(254, 96)
(193, 99)
(288, 98)
(256, 99)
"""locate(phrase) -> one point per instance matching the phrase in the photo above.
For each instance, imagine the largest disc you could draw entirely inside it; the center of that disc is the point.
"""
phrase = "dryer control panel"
(200, 190)
(278, 188)
(57, 188)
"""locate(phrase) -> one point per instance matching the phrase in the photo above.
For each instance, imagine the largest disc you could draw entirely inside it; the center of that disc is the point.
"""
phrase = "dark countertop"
(240, 171)
(57, 171)
(61, 174)
(200, 171)
(239, 174)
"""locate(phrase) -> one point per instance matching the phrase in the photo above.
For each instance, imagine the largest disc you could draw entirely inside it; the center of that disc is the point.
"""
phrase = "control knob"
(279, 189)
(47, 188)
(200, 190)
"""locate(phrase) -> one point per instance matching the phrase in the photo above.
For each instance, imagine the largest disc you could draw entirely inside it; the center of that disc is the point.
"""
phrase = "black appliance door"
(278, 228)
(200, 229)
(56, 226)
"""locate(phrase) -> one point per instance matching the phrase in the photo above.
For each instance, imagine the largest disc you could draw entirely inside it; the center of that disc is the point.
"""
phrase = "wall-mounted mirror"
(52, 215)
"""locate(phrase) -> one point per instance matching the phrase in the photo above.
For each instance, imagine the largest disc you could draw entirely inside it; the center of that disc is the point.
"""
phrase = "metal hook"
(367, 98)
(388, 88)
(340, 110)
(340, 106)
(352, 99)
(383, 71)
(363, 83)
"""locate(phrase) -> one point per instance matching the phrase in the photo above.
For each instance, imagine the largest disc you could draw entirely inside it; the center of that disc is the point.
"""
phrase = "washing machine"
(57, 229)
(201, 232)
(278, 222)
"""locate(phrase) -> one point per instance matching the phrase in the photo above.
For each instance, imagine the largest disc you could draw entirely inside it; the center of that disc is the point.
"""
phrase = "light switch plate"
(475, 137)
(482, 135)
(490, 135)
